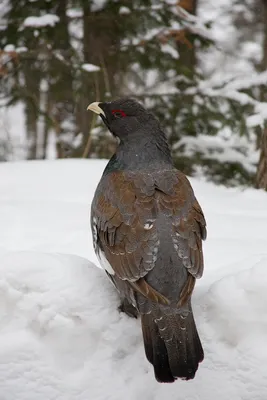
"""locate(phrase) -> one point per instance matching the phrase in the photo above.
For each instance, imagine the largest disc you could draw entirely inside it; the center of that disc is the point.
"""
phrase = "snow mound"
(61, 334)
(237, 305)
(236, 330)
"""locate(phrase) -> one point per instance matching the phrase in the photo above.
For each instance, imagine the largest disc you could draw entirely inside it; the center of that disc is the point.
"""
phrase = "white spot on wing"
(104, 262)
(99, 253)
(94, 232)
(148, 226)
(162, 329)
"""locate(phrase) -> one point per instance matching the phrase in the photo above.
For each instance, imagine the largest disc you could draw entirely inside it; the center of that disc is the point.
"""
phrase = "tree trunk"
(32, 97)
(84, 118)
(31, 126)
(261, 176)
(101, 40)
(186, 65)
(186, 49)
(61, 96)
(46, 125)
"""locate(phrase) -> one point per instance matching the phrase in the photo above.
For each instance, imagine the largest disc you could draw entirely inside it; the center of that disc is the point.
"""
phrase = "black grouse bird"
(147, 229)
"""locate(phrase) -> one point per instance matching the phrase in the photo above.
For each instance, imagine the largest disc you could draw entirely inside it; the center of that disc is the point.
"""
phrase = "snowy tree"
(261, 177)
(29, 35)
(192, 63)
(209, 116)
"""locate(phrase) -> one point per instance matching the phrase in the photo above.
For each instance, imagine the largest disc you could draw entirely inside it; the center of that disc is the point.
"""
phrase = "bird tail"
(172, 344)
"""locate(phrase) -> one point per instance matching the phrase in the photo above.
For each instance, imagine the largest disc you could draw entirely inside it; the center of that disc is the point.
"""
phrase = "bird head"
(122, 117)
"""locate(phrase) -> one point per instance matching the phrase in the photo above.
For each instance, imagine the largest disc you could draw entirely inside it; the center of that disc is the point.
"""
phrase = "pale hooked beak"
(95, 108)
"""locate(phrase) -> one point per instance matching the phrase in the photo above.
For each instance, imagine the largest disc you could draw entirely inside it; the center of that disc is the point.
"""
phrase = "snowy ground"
(61, 336)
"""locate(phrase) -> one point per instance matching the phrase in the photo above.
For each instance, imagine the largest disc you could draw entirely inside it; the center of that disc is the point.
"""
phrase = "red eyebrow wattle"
(119, 111)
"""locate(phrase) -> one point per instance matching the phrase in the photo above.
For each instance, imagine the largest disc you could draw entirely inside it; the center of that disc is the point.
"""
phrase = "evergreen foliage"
(60, 55)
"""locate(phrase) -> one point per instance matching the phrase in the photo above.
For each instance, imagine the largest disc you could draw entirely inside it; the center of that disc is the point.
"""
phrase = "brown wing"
(118, 212)
(189, 225)
(189, 229)
(124, 211)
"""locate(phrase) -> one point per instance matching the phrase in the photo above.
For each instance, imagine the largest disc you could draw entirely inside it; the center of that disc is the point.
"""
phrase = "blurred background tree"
(199, 66)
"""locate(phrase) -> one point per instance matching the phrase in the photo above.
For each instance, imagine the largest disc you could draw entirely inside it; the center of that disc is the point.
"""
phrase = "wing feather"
(124, 214)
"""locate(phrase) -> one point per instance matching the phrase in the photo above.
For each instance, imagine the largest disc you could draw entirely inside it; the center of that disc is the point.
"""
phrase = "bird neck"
(142, 151)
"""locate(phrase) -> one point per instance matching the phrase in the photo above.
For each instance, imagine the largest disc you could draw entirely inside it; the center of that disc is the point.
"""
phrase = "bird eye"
(118, 113)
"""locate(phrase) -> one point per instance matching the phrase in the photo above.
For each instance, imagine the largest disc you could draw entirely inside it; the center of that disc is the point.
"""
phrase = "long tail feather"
(172, 345)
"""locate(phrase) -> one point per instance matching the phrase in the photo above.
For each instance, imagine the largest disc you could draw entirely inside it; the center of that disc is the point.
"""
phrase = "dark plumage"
(148, 229)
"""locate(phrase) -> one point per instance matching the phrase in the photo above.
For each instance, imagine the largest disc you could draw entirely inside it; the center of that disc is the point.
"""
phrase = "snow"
(124, 10)
(223, 148)
(12, 130)
(98, 5)
(74, 13)
(61, 336)
(167, 48)
(90, 68)
(255, 120)
(4, 8)
(9, 48)
(40, 22)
